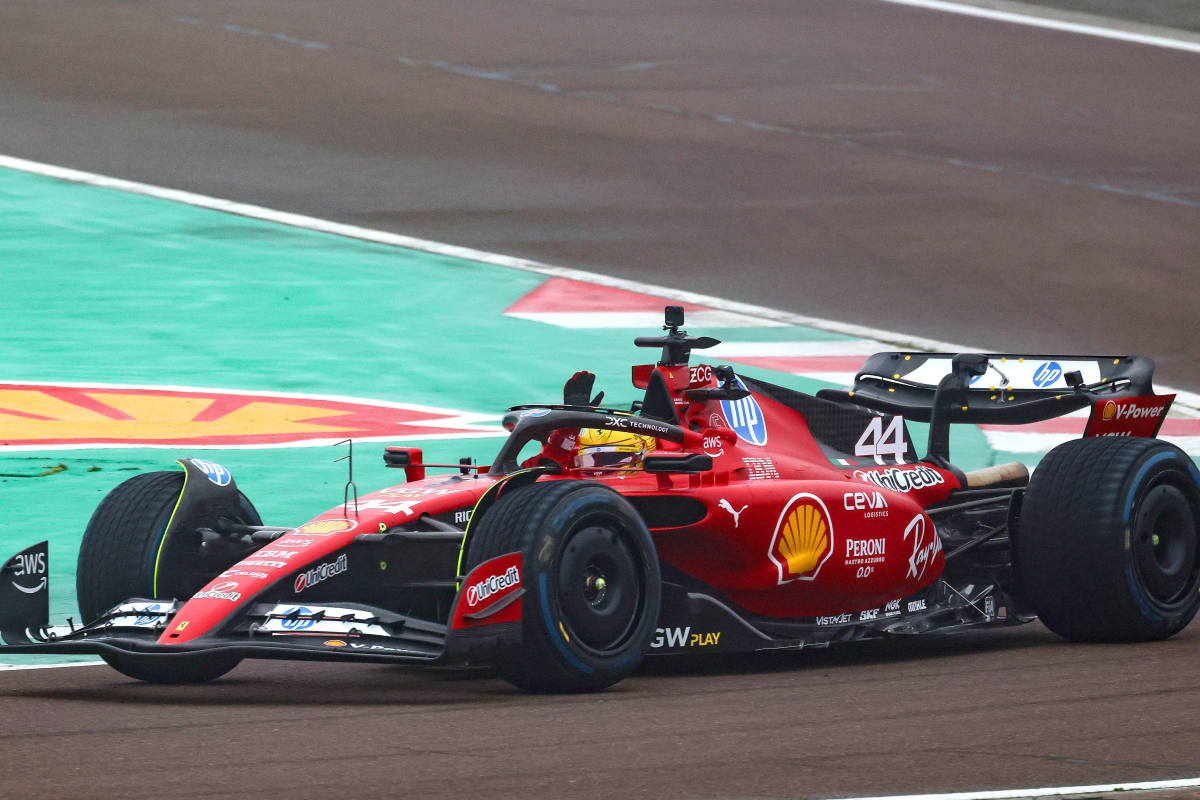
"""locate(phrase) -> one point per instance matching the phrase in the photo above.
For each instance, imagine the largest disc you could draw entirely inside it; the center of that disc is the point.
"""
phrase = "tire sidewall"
(1164, 463)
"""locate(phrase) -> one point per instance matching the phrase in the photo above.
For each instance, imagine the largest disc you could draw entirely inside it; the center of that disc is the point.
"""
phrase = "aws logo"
(803, 539)
(36, 415)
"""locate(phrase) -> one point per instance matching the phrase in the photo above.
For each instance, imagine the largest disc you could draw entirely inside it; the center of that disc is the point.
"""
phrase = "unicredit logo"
(478, 592)
(314, 576)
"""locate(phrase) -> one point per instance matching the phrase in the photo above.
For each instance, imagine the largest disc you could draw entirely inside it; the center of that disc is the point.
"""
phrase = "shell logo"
(34, 416)
(324, 527)
(803, 539)
(1110, 410)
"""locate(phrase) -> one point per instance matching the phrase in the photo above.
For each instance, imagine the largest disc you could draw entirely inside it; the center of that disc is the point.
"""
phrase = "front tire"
(591, 579)
(117, 561)
(1107, 542)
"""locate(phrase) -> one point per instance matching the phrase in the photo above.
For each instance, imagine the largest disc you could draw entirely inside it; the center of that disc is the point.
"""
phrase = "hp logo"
(1046, 374)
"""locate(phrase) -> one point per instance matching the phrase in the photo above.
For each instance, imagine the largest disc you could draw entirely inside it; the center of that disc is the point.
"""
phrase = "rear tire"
(1107, 541)
(591, 579)
(117, 562)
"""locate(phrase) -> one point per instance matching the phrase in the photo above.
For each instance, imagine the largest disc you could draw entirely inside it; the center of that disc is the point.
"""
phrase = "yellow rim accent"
(564, 632)
(462, 550)
(158, 555)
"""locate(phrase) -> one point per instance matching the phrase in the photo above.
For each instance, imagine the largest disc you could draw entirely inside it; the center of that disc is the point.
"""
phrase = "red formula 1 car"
(720, 514)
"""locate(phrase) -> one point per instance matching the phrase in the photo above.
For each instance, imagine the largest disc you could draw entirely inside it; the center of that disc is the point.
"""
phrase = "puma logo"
(725, 505)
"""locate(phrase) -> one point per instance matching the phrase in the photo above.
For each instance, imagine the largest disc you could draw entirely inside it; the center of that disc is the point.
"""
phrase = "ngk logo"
(1114, 411)
(478, 592)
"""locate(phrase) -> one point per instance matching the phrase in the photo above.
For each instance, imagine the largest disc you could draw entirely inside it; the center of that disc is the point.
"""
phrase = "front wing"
(328, 632)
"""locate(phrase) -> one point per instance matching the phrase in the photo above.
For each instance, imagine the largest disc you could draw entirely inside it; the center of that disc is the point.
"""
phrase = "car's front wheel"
(591, 579)
(118, 559)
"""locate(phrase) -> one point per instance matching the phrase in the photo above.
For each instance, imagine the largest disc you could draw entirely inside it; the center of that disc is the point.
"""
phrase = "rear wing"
(992, 389)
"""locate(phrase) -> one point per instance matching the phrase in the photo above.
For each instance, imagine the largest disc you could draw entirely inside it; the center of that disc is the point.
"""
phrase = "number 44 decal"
(877, 442)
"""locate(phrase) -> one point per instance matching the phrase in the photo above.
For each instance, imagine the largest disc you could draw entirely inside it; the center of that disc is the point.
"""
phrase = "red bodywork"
(785, 533)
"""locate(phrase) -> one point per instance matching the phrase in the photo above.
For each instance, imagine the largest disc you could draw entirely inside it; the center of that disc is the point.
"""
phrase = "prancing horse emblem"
(725, 505)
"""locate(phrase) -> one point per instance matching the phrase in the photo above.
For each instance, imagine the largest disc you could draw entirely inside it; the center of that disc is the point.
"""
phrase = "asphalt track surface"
(962, 179)
(945, 176)
(1012, 710)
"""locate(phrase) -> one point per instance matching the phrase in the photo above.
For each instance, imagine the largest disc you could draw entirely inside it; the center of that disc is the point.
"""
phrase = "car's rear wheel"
(117, 561)
(591, 577)
(1107, 541)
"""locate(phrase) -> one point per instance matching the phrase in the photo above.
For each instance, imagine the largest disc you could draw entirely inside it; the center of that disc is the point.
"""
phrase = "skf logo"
(803, 539)
(324, 527)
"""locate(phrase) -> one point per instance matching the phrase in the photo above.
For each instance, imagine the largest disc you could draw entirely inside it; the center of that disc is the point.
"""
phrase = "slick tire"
(591, 579)
(117, 561)
(1107, 546)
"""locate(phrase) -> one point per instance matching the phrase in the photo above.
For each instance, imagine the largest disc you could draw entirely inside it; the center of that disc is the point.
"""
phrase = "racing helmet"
(611, 449)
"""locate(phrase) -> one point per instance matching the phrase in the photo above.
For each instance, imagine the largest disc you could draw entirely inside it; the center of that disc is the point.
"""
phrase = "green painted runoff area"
(104, 286)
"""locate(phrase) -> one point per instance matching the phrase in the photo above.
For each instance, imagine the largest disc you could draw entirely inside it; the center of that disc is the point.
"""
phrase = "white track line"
(15, 667)
(1059, 791)
(1186, 400)
(1053, 24)
(398, 240)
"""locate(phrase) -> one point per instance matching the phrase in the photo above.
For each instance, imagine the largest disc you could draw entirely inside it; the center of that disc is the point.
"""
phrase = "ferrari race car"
(622, 535)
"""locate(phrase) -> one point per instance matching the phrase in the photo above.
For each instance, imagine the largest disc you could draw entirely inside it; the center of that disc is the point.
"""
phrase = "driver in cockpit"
(595, 451)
